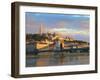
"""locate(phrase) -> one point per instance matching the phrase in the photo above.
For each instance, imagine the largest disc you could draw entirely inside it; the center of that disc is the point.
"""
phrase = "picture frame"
(31, 23)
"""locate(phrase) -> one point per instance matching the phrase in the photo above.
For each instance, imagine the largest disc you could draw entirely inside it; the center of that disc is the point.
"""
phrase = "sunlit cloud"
(65, 31)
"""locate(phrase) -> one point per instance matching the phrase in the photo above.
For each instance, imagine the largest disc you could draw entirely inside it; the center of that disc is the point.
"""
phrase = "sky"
(73, 25)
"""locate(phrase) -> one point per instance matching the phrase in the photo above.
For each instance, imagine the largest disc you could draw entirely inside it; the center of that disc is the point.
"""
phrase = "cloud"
(70, 31)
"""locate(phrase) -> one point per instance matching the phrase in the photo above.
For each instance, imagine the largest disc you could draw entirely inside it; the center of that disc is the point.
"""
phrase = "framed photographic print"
(53, 39)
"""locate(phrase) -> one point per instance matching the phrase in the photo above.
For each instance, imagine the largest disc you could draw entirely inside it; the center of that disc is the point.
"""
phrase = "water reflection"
(54, 59)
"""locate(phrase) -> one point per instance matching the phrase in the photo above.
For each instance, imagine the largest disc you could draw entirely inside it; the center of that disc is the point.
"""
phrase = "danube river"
(55, 59)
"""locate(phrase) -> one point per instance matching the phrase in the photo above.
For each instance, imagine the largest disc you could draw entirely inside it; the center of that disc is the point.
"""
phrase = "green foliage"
(36, 37)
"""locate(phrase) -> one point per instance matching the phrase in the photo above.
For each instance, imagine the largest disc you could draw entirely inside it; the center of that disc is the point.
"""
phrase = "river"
(57, 60)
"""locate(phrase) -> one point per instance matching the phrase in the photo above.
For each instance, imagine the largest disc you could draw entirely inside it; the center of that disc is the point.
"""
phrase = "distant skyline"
(74, 25)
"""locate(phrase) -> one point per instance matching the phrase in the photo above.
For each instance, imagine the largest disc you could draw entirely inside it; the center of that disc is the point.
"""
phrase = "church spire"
(41, 29)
